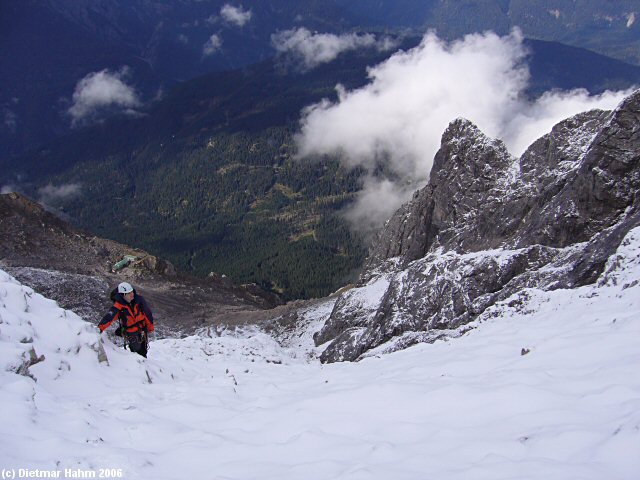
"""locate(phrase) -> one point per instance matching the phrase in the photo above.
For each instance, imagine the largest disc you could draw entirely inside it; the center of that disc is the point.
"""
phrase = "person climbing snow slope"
(134, 315)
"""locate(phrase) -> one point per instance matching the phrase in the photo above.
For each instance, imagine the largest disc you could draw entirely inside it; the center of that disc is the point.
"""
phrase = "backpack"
(119, 331)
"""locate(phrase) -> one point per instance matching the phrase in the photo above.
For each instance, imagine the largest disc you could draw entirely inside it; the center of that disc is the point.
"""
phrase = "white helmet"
(125, 288)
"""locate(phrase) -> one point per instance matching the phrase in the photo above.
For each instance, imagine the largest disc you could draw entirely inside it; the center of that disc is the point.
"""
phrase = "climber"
(136, 319)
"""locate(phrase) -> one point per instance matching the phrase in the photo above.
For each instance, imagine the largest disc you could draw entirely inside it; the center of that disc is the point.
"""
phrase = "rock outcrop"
(77, 270)
(488, 226)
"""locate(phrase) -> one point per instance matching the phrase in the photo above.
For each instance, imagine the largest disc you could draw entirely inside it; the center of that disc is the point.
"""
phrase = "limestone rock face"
(489, 225)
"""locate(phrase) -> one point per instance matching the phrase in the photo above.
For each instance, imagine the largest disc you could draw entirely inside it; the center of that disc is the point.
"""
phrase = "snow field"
(546, 390)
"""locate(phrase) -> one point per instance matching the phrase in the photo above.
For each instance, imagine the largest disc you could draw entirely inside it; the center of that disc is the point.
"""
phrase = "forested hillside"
(47, 47)
(235, 204)
(208, 178)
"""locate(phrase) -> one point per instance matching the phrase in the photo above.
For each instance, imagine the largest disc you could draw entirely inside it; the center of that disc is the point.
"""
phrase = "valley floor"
(547, 389)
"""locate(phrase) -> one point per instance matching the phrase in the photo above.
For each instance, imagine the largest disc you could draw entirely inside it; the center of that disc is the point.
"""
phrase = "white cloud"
(9, 188)
(376, 202)
(52, 193)
(313, 49)
(399, 117)
(212, 46)
(99, 91)
(235, 15)
(10, 120)
(534, 119)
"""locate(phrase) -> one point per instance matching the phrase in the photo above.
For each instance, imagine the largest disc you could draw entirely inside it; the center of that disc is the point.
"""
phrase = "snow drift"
(546, 387)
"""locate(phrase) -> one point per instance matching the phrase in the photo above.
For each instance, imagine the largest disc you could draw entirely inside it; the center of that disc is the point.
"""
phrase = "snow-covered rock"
(546, 388)
(488, 226)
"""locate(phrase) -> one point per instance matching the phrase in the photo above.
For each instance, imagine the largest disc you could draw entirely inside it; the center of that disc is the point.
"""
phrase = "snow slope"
(547, 386)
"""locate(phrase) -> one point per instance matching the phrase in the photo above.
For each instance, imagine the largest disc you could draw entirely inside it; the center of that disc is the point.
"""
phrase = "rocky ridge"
(488, 226)
(77, 270)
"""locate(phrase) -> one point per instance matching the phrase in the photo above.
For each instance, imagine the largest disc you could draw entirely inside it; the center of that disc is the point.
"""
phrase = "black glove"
(119, 331)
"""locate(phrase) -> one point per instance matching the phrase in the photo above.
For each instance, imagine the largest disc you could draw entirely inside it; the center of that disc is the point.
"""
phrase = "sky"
(548, 390)
(399, 116)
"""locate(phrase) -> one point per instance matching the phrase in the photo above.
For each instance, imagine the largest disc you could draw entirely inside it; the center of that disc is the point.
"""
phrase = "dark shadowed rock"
(488, 226)
(468, 171)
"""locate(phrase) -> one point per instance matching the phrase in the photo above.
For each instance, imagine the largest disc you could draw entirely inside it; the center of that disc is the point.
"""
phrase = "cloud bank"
(399, 117)
(235, 15)
(101, 91)
(313, 49)
(53, 193)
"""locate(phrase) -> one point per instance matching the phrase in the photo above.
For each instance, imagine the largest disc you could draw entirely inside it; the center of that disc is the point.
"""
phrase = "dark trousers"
(138, 343)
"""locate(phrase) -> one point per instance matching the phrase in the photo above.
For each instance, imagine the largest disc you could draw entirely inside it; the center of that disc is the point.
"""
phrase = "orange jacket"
(133, 316)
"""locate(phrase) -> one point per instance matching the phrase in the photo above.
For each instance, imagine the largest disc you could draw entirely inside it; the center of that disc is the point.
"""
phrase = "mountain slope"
(47, 47)
(544, 388)
(208, 177)
(78, 270)
(211, 173)
(610, 28)
(488, 226)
